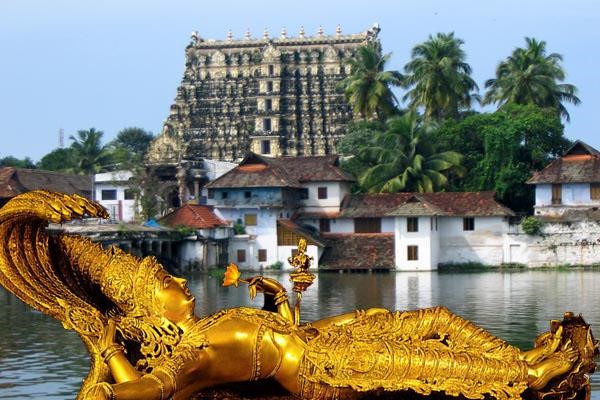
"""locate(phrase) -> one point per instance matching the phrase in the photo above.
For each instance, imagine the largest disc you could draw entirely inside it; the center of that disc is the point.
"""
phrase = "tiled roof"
(14, 181)
(570, 169)
(193, 216)
(441, 203)
(259, 171)
(580, 164)
(313, 168)
(311, 237)
(358, 251)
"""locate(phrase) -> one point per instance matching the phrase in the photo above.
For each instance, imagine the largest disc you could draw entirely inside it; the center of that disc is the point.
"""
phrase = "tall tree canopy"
(368, 87)
(404, 157)
(530, 76)
(135, 141)
(439, 79)
(61, 159)
(90, 155)
(502, 149)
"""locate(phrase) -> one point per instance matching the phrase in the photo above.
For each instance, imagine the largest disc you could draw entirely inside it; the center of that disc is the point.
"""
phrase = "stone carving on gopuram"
(145, 341)
(270, 95)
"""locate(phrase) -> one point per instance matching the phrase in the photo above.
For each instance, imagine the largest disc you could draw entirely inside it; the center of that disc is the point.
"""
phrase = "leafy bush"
(531, 226)
(239, 229)
(276, 265)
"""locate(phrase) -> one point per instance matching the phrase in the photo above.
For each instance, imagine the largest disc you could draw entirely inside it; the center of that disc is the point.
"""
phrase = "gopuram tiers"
(273, 96)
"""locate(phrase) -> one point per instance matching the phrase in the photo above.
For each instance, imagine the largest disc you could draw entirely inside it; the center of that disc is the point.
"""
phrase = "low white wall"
(574, 243)
(485, 244)
(190, 254)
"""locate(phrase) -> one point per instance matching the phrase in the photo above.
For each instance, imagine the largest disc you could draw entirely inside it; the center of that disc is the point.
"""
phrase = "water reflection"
(39, 359)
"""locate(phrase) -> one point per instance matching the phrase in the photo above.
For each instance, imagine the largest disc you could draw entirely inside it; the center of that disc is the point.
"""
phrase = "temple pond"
(39, 359)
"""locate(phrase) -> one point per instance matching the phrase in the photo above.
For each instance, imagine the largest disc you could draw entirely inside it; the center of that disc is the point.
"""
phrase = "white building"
(569, 187)
(113, 191)
(260, 197)
(277, 200)
(414, 231)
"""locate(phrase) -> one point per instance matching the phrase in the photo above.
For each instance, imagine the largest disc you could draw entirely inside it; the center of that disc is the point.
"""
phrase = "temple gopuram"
(272, 96)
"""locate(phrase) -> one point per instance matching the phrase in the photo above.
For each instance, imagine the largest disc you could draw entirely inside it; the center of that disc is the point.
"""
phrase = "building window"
(412, 253)
(265, 147)
(595, 191)
(468, 224)
(267, 124)
(271, 70)
(322, 192)
(268, 105)
(269, 86)
(412, 224)
(224, 195)
(303, 194)
(325, 225)
(211, 193)
(109, 194)
(367, 225)
(262, 255)
(129, 194)
(556, 193)
(250, 219)
(241, 255)
(247, 194)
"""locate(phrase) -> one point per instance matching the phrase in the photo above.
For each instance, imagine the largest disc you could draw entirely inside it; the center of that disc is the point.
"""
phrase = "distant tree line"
(438, 142)
(87, 155)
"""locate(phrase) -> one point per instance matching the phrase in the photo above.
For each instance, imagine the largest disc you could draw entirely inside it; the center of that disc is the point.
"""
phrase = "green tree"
(368, 87)
(502, 149)
(90, 155)
(530, 76)
(10, 161)
(358, 135)
(438, 78)
(132, 143)
(61, 159)
(404, 158)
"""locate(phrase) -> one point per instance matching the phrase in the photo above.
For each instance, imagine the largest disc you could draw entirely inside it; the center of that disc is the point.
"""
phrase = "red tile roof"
(259, 171)
(14, 181)
(358, 251)
(193, 216)
(579, 164)
(441, 203)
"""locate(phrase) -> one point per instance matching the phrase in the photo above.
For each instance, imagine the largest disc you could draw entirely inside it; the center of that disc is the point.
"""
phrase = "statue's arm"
(114, 356)
(273, 288)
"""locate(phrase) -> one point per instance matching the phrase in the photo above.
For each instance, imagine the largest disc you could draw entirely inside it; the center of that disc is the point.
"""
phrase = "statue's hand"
(108, 336)
(260, 284)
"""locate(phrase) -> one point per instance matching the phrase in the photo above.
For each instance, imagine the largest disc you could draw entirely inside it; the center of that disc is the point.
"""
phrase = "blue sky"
(112, 64)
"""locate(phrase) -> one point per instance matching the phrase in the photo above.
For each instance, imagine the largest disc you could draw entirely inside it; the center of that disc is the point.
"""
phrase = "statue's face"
(175, 299)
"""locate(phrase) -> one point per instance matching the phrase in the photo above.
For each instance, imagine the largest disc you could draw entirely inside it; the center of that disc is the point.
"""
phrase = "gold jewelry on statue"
(168, 373)
(160, 384)
(281, 297)
(111, 351)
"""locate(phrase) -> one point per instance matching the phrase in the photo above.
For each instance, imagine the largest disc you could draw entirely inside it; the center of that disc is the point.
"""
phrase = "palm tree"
(439, 78)
(368, 87)
(529, 76)
(90, 156)
(403, 158)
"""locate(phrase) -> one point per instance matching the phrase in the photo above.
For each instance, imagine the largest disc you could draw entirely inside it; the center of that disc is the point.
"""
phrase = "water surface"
(41, 360)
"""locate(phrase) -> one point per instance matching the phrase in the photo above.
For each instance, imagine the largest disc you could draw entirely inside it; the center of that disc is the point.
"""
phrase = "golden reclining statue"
(145, 342)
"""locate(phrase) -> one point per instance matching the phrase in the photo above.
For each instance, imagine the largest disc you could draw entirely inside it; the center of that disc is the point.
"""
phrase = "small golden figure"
(145, 341)
(301, 277)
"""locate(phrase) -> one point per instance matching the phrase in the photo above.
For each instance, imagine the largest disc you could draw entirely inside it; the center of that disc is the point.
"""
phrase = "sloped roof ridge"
(583, 144)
